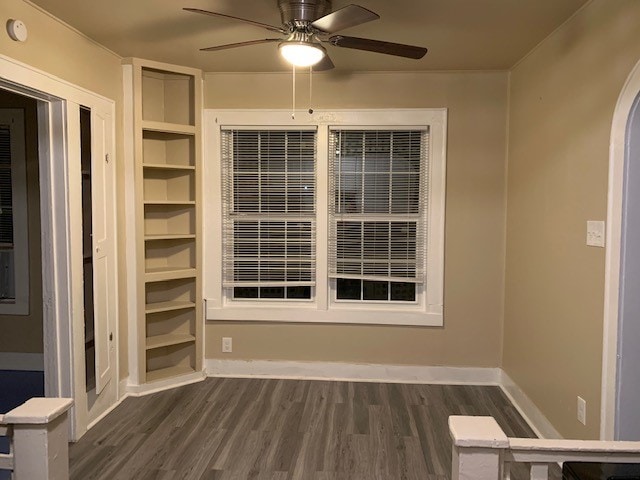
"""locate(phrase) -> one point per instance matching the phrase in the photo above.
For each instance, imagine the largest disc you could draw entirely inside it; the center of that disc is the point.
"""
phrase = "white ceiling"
(460, 34)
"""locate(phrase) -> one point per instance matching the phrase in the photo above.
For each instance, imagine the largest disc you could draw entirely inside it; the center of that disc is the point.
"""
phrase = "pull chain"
(311, 90)
(293, 103)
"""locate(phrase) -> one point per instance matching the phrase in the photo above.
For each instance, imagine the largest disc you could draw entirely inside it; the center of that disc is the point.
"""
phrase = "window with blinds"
(7, 274)
(378, 209)
(269, 213)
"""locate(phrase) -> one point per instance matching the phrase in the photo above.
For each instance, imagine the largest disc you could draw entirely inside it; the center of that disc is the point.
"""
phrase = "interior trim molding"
(538, 422)
(122, 396)
(355, 372)
(22, 361)
(122, 389)
(110, 409)
(132, 390)
(615, 192)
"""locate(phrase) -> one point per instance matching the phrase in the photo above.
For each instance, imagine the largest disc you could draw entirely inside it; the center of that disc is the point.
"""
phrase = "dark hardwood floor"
(287, 429)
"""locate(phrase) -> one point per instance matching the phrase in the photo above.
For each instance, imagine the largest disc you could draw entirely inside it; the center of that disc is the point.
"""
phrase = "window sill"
(300, 314)
(17, 308)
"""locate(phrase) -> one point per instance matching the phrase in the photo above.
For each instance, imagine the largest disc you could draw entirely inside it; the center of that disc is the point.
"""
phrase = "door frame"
(61, 217)
(617, 153)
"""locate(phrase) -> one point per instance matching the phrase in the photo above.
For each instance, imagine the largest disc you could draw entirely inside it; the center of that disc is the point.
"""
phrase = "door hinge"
(111, 337)
(106, 158)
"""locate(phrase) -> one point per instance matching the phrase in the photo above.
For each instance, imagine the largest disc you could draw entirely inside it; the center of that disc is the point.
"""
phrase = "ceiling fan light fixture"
(302, 54)
(307, 24)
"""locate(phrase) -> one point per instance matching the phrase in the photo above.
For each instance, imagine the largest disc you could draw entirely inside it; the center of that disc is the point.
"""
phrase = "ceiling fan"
(307, 24)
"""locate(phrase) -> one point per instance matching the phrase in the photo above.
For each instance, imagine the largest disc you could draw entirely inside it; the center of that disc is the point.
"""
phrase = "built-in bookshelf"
(166, 109)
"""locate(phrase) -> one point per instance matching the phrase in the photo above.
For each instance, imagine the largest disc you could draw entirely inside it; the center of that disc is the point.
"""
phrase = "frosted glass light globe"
(301, 54)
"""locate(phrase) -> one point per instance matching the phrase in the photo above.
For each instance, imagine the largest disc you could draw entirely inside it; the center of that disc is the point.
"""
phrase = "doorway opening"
(627, 423)
(21, 317)
(619, 420)
(87, 249)
(59, 135)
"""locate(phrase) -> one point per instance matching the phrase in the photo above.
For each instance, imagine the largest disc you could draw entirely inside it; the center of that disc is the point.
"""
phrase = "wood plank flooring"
(228, 429)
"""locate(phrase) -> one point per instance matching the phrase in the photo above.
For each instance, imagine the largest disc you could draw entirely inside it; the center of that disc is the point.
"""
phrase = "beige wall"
(54, 48)
(23, 333)
(57, 49)
(562, 99)
(475, 219)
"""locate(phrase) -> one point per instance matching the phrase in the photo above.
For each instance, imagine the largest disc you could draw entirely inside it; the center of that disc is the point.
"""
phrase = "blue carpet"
(16, 387)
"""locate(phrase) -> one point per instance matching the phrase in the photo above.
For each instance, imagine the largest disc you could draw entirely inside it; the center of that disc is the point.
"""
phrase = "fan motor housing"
(295, 11)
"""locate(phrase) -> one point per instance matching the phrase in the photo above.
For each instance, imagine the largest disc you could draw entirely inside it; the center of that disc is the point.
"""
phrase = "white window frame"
(20, 306)
(427, 311)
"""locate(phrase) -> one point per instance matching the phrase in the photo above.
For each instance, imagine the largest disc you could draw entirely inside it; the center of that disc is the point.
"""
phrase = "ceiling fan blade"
(397, 49)
(346, 17)
(324, 65)
(240, 44)
(229, 17)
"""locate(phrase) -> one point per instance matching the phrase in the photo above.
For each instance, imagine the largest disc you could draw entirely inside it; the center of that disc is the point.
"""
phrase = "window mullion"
(362, 236)
(362, 204)
(259, 223)
(390, 212)
(286, 208)
(322, 217)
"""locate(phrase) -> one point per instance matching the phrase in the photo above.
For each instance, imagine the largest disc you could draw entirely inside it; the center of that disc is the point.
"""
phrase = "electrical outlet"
(582, 410)
(227, 345)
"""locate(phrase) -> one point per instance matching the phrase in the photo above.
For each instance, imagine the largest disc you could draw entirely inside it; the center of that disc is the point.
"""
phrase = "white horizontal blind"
(269, 195)
(378, 194)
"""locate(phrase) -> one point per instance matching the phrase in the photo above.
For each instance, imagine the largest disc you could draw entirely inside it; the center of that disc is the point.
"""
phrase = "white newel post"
(478, 445)
(539, 471)
(40, 439)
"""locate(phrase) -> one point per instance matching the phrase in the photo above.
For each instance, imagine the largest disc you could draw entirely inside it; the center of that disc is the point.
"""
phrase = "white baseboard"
(525, 406)
(351, 372)
(123, 386)
(161, 385)
(99, 418)
(22, 361)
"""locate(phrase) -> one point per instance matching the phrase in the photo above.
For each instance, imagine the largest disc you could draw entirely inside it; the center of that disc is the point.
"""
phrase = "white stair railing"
(39, 437)
(482, 451)
(6, 460)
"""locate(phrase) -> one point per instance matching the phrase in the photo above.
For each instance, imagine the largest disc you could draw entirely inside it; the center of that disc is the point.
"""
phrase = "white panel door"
(104, 279)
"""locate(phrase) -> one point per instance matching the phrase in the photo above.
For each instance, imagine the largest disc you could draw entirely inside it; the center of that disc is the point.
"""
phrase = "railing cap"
(481, 432)
(38, 411)
(562, 445)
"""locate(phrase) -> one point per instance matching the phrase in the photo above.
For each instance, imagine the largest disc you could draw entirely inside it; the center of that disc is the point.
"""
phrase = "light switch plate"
(582, 410)
(595, 233)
